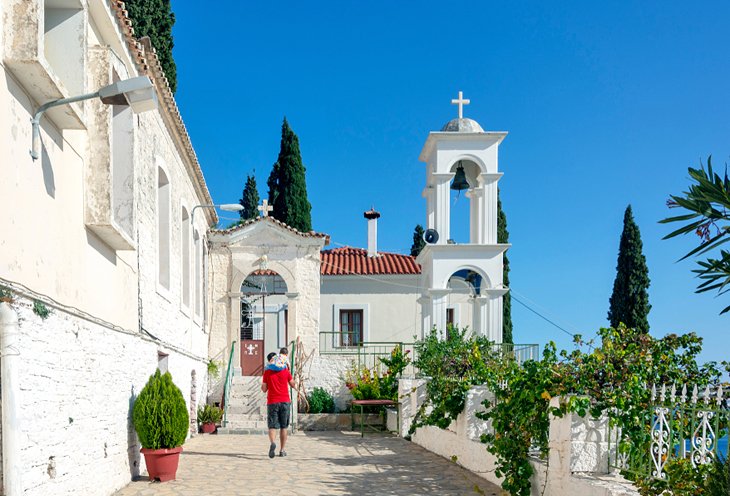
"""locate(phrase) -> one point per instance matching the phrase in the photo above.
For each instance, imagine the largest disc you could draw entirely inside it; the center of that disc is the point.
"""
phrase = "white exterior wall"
(234, 255)
(88, 359)
(389, 303)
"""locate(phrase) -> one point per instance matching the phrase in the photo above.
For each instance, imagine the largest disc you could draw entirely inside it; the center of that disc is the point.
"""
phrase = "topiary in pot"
(160, 418)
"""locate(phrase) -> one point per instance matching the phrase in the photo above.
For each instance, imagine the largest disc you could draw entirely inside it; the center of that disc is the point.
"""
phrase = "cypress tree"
(154, 18)
(418, 242)
(503, 237)
(249, 199)
(629, 303)
(288, 185)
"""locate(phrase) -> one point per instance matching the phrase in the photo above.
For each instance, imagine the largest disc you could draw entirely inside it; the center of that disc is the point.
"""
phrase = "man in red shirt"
(276, 386)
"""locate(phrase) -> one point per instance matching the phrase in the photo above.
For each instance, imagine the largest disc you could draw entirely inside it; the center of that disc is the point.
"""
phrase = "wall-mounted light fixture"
(137, 92)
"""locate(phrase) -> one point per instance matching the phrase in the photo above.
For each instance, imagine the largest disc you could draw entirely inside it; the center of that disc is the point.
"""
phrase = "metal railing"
(679, 426)
(227, 384)
(520, 352)
(365, 353)
(368, 353)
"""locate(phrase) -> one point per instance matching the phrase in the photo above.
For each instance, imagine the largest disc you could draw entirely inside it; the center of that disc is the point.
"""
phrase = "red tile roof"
(355, 261)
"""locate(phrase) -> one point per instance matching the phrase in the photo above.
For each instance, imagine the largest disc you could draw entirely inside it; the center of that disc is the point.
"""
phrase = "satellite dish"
(431, 236)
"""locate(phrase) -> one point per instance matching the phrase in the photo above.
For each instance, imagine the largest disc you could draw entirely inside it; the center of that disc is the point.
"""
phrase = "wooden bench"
(363, 403)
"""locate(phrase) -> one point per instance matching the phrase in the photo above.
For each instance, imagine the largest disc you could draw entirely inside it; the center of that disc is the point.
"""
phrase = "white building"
(272, 284)
(104, 231)
(99, 231)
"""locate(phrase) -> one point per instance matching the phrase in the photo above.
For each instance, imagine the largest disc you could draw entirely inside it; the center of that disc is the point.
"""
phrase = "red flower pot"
(208, 428)
(162, 463)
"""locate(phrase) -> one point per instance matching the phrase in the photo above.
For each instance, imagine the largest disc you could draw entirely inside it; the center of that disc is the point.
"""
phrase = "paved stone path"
(318, 463)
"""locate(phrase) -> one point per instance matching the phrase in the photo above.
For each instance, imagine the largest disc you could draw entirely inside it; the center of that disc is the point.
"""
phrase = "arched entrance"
(263, 319)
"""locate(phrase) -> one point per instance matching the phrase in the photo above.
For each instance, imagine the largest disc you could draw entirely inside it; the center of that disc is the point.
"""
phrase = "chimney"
(372, 217)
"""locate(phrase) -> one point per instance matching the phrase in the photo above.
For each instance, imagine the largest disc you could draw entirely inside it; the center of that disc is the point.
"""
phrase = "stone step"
(242, 421)
(242, 409)
(231, 431)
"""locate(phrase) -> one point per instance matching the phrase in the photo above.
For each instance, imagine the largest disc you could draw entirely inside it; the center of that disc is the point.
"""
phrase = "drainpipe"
(10, 383)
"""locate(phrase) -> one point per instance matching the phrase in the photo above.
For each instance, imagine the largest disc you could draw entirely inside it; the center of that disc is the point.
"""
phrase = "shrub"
(320, 401)
(209, 414)
(160, 415)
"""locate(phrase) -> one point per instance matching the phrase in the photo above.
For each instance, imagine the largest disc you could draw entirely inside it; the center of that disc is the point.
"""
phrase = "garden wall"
(578, 460)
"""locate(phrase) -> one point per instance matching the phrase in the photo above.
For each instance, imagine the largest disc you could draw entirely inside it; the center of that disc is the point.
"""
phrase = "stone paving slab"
(319, 463)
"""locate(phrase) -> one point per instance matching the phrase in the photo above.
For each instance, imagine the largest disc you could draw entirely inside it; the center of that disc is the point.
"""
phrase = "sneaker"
(282, 453)
(272, 450)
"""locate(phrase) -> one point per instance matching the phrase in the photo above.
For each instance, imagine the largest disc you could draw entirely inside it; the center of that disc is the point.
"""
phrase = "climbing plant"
(608, 376)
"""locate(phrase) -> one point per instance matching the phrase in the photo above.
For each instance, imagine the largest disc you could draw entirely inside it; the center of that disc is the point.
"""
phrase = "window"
(351, 327)
(163, 228)
(185, 223)
(450, 316)
(122, 164)
(162, 359)
(64, 43)
(198, 268)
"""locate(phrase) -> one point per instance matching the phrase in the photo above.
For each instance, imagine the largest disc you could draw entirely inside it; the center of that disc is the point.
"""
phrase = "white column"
(426, 325)
(11, 430)
(438, 309)
(442, 206)
(480, 315)
(234, 331)
(489, 207)
(476, 215)
(494, 314)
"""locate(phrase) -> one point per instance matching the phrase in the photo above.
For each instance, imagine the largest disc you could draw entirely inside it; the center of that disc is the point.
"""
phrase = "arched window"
(185, 252)
(163, 228)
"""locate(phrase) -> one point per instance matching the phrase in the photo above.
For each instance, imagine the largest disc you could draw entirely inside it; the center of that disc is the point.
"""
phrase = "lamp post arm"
(192, 212)
(36, 120)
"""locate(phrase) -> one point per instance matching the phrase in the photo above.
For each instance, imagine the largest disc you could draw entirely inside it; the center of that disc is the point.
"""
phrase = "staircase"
(246, 407)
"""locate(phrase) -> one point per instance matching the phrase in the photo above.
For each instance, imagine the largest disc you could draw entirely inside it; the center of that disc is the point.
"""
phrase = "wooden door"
(252, 357)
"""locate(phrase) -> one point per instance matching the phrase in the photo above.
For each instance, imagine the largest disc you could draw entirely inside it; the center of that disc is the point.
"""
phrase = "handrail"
(293, 355)
(227, 385)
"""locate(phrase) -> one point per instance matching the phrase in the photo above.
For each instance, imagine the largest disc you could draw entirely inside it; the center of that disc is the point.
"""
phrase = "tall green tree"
(288, 185)
(249, 199)
(629, 303)
(154, 18)
(707, 204)
(503, 237)
(418, 242)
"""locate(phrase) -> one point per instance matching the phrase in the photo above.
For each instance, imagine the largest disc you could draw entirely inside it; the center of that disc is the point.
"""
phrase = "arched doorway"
(263, 319)
(464, 286)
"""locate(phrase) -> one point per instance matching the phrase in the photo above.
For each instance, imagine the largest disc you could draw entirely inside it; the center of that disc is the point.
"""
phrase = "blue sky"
(606, 104)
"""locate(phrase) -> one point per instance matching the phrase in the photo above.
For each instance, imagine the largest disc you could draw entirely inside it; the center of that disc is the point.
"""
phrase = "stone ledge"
(335, 421)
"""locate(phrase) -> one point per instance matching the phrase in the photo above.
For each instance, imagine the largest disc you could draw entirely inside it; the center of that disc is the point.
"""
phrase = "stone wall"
(578, 459)
(79, 383)
(328, 372)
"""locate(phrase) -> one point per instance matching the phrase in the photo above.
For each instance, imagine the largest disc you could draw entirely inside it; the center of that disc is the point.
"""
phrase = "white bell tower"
(462, 150)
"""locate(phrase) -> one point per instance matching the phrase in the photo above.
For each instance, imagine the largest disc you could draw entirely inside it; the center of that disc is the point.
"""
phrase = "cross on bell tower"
(461, 101)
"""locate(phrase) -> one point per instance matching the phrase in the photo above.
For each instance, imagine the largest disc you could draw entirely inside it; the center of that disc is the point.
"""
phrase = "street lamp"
(228, 207)
(137, 92)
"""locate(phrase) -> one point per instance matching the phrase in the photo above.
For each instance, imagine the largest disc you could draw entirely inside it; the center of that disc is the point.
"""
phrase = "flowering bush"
(369, 384)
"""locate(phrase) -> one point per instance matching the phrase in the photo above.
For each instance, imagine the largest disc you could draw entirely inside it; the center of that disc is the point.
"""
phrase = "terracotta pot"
(208, 428)
(162, 463)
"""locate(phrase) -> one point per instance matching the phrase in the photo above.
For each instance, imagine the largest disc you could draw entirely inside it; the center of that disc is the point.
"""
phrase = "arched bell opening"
(464, 285)
(263, 318)
(464, 205)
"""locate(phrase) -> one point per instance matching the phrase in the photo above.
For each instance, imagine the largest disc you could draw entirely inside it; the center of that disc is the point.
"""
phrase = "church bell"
(460, 183)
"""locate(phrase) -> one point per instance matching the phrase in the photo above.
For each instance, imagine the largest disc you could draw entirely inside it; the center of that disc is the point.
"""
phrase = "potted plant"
(160, 418)
(6, 295)
(209, 416)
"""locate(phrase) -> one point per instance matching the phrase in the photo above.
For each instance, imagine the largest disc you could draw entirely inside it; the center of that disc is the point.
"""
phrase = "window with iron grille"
(351, 327)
